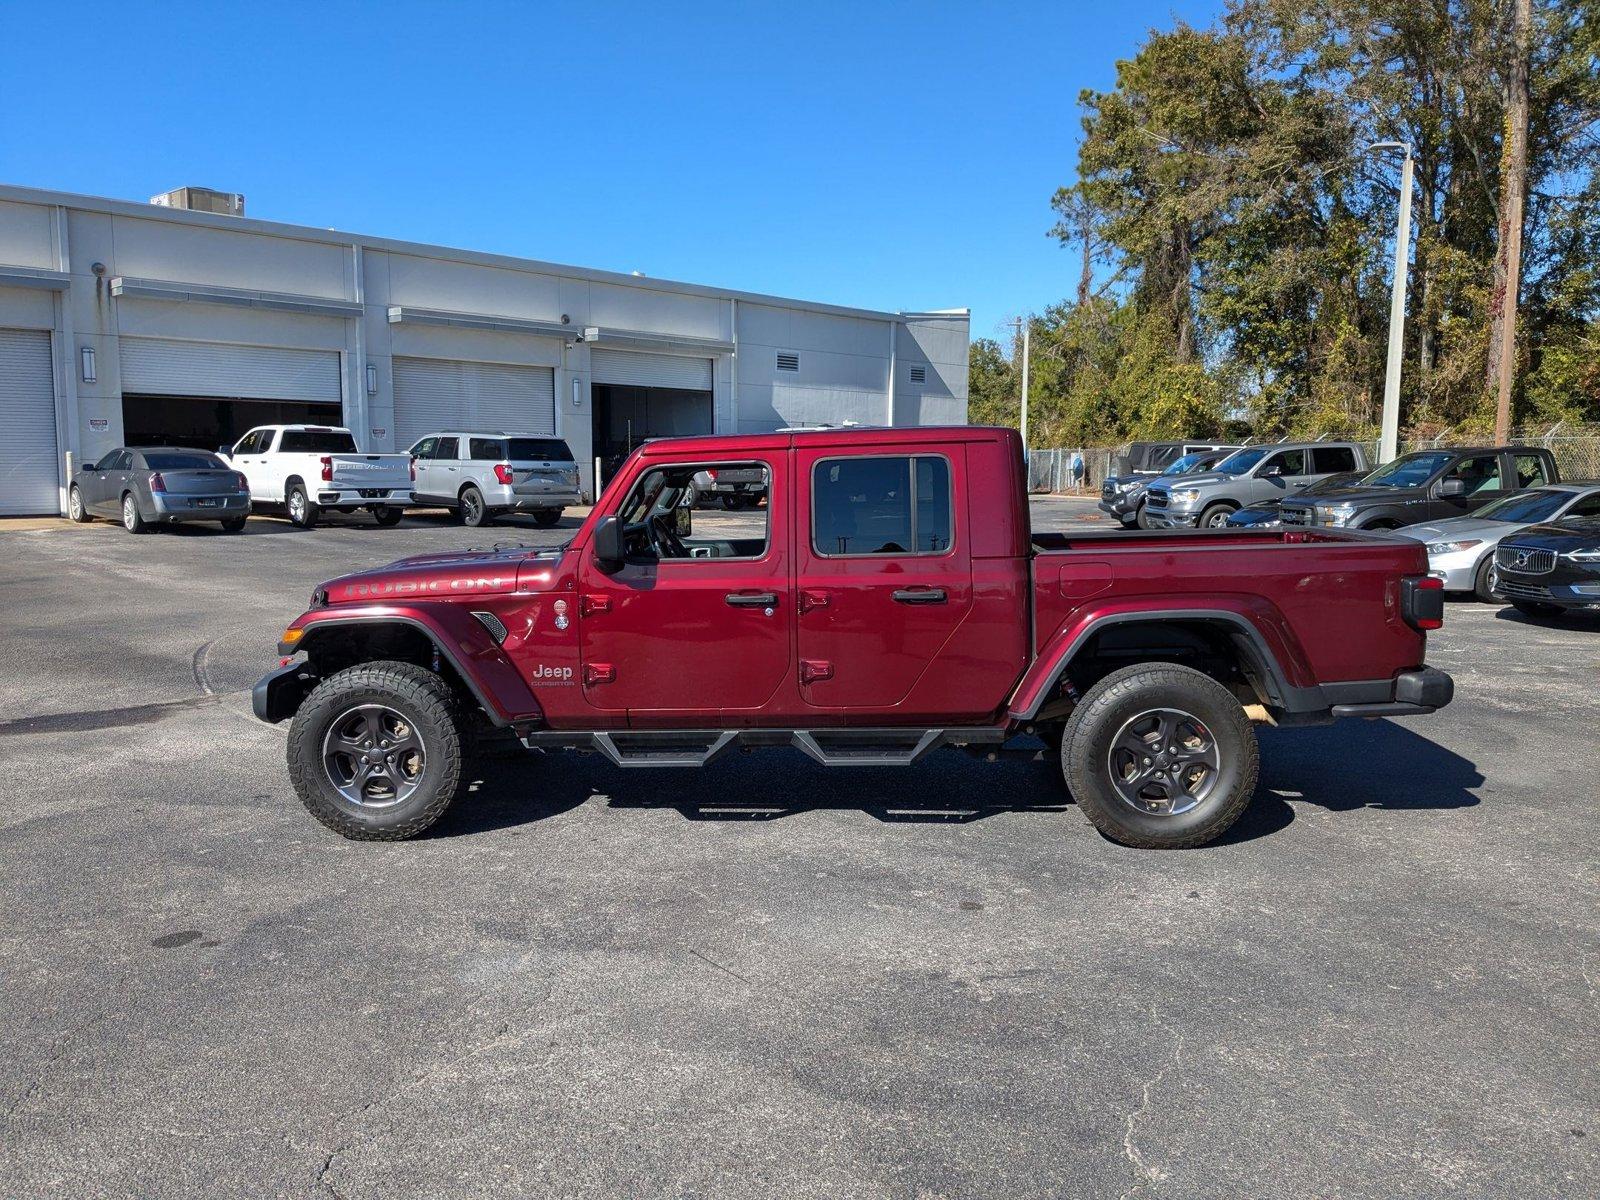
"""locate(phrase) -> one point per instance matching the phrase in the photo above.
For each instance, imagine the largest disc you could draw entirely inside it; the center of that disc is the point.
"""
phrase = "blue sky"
(875, 154)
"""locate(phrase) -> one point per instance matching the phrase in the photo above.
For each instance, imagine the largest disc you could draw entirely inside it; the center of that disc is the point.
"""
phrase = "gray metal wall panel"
(640, 369)
(431, 394)
(29, 477)
(168, 367)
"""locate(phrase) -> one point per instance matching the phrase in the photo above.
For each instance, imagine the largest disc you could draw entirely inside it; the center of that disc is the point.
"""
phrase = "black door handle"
(919, 596)
(758, 600)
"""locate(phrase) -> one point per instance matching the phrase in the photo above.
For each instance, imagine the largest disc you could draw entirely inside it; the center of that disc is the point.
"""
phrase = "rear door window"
(1285, 462)
(895, 505)
(1333, 460)
(447, 447)
(485, 448)
(1530, 470)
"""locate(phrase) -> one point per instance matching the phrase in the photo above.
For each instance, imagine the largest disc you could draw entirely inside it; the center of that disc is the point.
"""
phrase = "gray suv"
(484, 474)
(1247, 476)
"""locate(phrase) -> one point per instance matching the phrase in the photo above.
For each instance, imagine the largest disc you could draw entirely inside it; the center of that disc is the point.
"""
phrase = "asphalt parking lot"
(766, 978)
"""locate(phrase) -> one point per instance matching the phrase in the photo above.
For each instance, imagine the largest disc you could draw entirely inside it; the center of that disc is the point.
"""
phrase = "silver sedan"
(1461, 550)
(144, 486)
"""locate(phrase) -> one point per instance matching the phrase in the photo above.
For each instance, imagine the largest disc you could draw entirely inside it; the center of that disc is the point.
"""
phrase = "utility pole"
(1513, 183)
(1389, 443)
(1025, 326)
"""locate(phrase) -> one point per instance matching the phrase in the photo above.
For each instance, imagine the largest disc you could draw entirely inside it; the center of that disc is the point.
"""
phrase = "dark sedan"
(1267, 514)
(160, 485)
(1544, 570)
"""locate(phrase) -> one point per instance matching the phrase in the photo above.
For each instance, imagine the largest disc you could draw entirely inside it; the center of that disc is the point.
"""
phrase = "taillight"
(327, 469)
(1422, 601)
(242, 483)
(157, 484)
(711, 472)
(413, 470)
(502, 472)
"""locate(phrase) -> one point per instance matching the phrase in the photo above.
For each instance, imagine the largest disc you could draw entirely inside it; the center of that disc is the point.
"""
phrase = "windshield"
(1525, 507)
(1412, 470)
(183, 462)
(541, 448)
(317, 441)
(1186, 464)
(1241, 461)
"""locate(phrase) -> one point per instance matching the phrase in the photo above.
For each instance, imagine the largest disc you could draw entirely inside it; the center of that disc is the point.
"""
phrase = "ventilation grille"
(919, 374)
(493, 624)
(788, 360)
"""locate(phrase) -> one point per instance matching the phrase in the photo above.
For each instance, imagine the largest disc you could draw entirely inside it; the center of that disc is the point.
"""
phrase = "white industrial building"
(125, 323)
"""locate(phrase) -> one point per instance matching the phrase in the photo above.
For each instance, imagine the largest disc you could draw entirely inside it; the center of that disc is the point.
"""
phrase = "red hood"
(457, 573)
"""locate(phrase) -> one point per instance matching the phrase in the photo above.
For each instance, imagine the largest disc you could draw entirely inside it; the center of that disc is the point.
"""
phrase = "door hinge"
(812, 599)
(814, 669)
(589, 605)
(599, 673)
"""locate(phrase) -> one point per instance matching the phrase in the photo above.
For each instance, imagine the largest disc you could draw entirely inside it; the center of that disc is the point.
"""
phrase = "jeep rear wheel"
(375, 751)
(1160, 756)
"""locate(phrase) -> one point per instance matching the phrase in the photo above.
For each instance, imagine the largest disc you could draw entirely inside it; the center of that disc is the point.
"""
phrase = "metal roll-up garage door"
(431, 394)
(638, 369)
(29, 477)
(167, 367)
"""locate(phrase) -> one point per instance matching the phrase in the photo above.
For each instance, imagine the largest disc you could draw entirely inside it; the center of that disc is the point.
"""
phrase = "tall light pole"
(1388, 445)
(1025, 326)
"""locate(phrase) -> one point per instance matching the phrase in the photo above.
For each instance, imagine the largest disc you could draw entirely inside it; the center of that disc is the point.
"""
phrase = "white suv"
(484, 474)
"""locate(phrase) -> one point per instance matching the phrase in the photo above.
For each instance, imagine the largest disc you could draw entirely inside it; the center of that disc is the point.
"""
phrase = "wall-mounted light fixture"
(372, 380)
(577, 392)
(87, 355)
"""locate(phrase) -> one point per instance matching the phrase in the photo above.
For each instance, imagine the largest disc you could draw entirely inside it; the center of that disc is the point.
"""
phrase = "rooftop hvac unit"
(199, 199)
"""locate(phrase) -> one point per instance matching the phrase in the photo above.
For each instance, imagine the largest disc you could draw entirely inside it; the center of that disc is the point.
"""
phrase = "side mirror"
(683, 518)
(224, 449)
(1452, 487)
(608, 543)
(1272, 472)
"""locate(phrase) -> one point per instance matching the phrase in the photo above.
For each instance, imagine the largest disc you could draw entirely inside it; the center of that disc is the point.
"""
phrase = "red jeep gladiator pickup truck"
(887, 600)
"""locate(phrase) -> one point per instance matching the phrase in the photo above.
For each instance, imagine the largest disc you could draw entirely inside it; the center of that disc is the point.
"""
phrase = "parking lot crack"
(1130, 1148)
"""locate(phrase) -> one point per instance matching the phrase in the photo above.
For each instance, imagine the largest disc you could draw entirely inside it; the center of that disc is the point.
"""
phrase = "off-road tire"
(418, 695)
(234, 524)
(303, 512)
(1215, 516)
(387, 515)
(76, 509)
(132, 520)
(1532, 608)
(1119, 698)
(547, 518)
(1480, 580)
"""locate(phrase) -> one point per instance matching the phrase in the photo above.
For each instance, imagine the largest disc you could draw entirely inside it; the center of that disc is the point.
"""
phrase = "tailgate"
(391, 471)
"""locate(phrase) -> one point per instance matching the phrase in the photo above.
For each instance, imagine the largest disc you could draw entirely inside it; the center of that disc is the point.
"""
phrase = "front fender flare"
(455, 633)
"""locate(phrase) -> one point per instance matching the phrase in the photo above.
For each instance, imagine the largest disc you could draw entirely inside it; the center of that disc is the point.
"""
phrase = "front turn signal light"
(291, 636)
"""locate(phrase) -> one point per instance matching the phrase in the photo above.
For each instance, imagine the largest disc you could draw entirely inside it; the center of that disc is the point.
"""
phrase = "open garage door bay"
(29, 476)
(640, 395)
(431, 394)
(206, 394)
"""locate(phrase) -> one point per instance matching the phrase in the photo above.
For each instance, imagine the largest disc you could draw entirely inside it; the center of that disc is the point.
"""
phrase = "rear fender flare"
(460, 640)
(1281, 672)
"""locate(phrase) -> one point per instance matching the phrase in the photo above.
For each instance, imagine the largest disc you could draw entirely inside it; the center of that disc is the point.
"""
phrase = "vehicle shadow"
(1341, 768)
(1588, 621)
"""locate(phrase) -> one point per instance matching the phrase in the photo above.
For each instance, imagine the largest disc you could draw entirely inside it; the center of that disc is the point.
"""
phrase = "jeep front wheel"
(1160, 756)
(375, 751)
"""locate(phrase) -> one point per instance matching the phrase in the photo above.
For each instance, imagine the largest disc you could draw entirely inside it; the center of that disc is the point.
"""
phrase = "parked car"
(1268, 514)
(1545, 570)
(732, 487)
(1245, 477)
(160, 485)
(304, 469)
(1461, 550)
(1151, 458)
(1428, 485)
(483, 475)
(892, 603)
(1122, 496)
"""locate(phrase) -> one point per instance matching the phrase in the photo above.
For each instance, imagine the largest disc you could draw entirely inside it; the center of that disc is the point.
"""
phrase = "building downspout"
(733, 361)
(66, 362)
(893, 345)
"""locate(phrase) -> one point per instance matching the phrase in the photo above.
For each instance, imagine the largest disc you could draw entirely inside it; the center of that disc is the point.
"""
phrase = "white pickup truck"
(306, 468)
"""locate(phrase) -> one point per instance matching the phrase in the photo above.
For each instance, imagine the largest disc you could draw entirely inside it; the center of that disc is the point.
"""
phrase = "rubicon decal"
(408, 587)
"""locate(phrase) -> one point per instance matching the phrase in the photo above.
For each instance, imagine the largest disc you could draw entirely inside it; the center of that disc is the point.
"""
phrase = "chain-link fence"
(1576, 449)
(1052, 470)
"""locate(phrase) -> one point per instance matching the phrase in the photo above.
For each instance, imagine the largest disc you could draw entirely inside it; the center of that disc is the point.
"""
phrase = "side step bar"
(699, 747)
